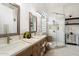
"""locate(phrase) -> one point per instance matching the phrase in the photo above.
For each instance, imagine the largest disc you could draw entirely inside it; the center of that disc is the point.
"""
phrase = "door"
(56, 24)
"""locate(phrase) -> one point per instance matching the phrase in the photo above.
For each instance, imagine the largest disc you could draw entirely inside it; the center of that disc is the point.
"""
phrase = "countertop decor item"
(27, 35)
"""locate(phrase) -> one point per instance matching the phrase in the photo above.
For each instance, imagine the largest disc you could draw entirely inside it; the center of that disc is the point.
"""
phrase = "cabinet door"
(36, 50)
(26, 52)
(39, 48)
(43, 46)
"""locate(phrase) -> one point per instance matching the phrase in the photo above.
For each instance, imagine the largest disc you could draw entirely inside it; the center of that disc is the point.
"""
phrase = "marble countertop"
(19, 45)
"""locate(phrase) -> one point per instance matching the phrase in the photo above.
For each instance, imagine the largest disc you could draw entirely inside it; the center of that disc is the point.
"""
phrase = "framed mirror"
(32, 23)
(9, 19)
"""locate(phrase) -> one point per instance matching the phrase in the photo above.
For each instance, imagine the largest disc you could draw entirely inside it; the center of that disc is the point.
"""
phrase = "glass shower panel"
(56, 24)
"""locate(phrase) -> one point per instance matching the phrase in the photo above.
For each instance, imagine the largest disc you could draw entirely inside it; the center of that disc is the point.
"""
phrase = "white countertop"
(19, 45)
(35, 39)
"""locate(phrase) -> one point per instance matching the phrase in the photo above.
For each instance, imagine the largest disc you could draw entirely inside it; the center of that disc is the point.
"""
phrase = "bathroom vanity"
(35, 46)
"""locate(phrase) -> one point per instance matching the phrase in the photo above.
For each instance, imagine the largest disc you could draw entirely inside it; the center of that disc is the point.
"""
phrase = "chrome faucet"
(6, 30)
(8, 39)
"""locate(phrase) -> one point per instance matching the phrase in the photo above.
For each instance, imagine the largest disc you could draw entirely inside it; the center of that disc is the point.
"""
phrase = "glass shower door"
(56, 30)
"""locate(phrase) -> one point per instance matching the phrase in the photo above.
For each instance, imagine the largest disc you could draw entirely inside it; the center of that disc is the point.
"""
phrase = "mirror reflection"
(33, 23)
(8, 18)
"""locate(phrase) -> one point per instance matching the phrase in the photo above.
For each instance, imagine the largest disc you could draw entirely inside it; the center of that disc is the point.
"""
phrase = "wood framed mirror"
(32, 23)
(9, 19)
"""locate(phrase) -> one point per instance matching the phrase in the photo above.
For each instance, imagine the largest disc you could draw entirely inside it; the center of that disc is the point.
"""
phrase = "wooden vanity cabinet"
(43, 46)
(37, 49)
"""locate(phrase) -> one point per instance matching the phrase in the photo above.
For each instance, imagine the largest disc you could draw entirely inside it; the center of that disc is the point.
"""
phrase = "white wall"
(24, 16)
(27, 7)
(61, 8)
(71, 9)
(54, 7)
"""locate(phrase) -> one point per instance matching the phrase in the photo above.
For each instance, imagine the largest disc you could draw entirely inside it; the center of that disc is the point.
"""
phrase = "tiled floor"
(69, 50)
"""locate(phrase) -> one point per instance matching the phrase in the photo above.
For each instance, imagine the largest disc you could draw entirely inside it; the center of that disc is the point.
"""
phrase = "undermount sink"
(37, 36)
(11, 42)
(31, 41)
(13, 47)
